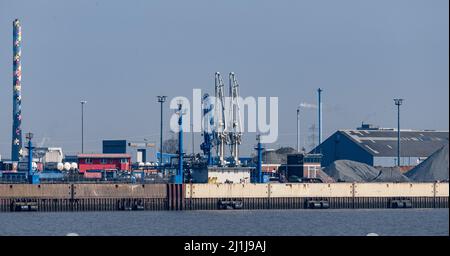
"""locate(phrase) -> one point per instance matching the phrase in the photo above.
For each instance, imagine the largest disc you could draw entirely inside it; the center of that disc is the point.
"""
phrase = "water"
(358, 222)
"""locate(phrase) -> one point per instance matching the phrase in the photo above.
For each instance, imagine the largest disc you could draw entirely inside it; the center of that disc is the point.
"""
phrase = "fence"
(67, 178)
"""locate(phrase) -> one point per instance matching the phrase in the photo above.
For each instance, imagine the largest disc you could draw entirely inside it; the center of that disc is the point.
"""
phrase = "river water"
(330, 222)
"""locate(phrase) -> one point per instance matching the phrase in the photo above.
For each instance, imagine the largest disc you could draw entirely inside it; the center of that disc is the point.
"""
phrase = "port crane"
(217, 130)
(235, 131)
(220, 134)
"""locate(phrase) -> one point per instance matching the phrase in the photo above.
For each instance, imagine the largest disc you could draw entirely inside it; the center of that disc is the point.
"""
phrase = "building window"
(312, 171)
(103, 161)
(88, 161)
(123, 160)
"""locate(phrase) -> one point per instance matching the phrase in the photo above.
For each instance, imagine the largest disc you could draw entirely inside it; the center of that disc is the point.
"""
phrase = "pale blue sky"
(119, 55)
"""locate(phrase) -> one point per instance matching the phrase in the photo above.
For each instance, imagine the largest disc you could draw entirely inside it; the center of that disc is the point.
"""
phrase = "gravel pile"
(351, 171)
(434, 168)
(390, 174)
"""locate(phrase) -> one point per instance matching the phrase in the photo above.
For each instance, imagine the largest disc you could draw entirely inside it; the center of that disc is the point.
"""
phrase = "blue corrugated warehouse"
(378, 146)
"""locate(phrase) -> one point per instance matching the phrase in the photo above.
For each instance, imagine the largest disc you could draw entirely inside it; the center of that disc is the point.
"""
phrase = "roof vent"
(367, 127)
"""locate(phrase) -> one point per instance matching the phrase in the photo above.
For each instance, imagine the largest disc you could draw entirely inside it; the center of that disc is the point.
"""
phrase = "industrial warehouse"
(367, 167)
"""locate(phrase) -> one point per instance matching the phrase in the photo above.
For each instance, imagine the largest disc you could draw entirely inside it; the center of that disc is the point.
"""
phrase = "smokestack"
(319, 91)
(16, 147)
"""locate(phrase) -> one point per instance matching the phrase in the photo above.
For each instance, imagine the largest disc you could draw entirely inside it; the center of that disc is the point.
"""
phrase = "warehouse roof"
(103, 156)
(383, 142)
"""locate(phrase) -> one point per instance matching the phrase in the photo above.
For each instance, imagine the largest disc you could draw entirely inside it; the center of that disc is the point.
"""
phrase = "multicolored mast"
(16, 149)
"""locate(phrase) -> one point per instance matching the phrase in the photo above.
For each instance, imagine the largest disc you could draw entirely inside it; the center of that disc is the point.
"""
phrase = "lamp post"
(298, 129)
(193, 139)
(319, 105)
(179, 176)
(161, 99)
(398, 102)
(82, 125)
(29, 136)
(259, 150)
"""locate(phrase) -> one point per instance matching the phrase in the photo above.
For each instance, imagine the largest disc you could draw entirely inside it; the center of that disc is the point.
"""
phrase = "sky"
(119, 55)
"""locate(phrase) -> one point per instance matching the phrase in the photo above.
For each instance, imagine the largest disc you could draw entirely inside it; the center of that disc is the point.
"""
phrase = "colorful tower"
(16, 148)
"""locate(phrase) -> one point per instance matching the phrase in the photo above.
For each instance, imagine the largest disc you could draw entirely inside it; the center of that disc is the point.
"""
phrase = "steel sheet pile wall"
(394, 189)
(120, 190)
(226, 190)
(35, 191)
(420, 194)
(85, 197)
(442, 189)
(51, 197)
(109, 197)
(175, 197)
(441, 195)
(298, 195)
(311, 190)
(207, 196)
(105, 197)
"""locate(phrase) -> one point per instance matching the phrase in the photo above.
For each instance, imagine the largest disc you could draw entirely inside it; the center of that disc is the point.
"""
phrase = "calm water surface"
(388, 222)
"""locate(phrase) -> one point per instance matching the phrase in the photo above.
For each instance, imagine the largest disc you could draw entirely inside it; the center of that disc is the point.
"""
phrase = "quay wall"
(75, 191)
(120, 190)
(111, 197)
(317, 190)
(62, 191)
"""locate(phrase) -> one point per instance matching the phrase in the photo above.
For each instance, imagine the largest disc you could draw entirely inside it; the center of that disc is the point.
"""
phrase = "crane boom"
(220, 133)
(235, 132)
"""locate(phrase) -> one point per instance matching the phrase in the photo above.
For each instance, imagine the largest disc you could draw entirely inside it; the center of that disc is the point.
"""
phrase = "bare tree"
(171, 145)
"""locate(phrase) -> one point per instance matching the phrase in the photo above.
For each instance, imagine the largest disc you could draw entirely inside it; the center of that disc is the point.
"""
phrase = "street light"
(161, 99)
(179, 177)
(298, 129)
(319, 105)
(398, 102)
(193, 139)
(82, 125)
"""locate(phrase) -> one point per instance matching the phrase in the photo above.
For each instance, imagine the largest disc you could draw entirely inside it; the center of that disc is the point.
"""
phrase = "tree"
(171, 145)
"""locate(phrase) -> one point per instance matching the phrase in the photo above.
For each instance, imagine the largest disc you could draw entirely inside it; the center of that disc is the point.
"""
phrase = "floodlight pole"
(161, 99)
(398, 102)
(82, 125)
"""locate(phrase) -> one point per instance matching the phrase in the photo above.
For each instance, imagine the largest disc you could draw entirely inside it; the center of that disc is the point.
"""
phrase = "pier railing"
(67, 179)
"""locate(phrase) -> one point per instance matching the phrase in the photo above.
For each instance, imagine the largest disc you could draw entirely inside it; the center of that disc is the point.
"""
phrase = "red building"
(120, 162)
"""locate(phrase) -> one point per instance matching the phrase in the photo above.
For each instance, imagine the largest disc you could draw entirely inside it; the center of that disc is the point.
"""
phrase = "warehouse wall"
(338, 147)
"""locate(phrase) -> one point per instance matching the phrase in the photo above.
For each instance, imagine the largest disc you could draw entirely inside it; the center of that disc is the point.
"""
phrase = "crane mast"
(235, 132)
(220, 133)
